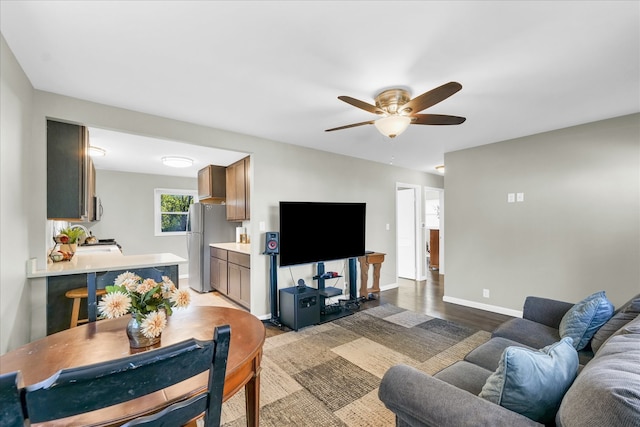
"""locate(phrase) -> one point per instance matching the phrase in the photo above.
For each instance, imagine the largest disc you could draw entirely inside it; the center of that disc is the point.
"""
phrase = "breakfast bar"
(92, 270)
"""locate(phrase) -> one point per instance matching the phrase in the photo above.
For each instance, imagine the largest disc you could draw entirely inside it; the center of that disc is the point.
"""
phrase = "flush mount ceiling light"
(440, 168)
(177, 162)
(97, 151)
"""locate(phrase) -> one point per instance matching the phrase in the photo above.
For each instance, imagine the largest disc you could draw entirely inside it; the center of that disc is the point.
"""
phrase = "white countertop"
(101, 261)
(243, 248)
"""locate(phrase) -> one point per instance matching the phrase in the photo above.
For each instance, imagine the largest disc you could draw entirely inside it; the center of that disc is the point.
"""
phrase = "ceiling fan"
(399, 110)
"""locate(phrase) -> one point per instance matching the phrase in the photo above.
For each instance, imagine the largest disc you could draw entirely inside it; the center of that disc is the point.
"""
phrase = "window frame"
(157, 213)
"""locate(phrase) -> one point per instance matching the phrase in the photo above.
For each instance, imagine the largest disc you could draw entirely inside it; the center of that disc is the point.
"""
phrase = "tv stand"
(329, 313)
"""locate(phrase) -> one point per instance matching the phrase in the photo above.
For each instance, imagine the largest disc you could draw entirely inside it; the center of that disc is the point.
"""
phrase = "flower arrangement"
(150, 302)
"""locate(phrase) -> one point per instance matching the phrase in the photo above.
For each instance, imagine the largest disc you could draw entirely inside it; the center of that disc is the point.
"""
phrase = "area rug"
(329, 374)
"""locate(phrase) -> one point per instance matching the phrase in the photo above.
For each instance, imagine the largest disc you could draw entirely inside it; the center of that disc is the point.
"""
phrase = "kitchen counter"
(93, 269)
(93, 262)
(243, 248)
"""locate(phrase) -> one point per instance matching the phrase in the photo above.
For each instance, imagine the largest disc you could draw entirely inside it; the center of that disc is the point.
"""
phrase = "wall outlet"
(485, 293)
(511, 197)
(519, 197)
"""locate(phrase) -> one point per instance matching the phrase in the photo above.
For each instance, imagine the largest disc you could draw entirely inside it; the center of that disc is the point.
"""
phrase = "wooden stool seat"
(77, 294)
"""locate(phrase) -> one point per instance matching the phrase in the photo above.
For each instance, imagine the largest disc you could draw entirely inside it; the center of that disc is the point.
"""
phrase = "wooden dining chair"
(11, 414)
(84, 389)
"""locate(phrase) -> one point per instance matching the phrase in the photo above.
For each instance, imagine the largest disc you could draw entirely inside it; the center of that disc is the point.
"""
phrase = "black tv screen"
(321, 231)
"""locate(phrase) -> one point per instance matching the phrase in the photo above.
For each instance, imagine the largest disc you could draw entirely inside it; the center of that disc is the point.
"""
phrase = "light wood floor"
(419, 296)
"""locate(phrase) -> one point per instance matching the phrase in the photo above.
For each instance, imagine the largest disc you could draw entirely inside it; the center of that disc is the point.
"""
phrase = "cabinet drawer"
(240, 259)
(218, 253)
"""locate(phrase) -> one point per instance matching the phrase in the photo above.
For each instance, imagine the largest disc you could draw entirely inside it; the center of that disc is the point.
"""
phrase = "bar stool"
(77, 294)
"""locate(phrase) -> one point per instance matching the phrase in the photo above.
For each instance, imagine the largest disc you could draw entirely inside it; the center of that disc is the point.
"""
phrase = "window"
(171, 208)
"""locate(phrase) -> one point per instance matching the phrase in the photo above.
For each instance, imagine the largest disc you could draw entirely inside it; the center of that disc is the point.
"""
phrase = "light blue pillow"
(584, 319)
(533, 383)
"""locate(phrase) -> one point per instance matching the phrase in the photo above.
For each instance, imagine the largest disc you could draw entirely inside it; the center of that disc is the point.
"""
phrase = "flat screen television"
(321, 231)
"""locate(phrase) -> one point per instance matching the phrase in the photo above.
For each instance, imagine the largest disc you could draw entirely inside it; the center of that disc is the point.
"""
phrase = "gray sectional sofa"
(598, 385)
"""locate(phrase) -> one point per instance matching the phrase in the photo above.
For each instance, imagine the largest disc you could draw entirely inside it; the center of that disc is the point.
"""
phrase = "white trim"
(418, 214)
(481, 306)
(157, 192)
(389, 286)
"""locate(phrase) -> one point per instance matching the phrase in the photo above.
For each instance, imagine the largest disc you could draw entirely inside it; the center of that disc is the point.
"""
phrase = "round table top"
(107, 340)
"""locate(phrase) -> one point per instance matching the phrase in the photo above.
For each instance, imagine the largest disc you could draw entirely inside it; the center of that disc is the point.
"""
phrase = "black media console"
(302, 306)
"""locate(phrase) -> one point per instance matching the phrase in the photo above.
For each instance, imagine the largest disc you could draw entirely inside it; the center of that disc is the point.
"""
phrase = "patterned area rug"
(329, 374)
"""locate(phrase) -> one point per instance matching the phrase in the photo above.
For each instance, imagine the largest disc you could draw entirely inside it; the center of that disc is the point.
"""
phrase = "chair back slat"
(11, 414)
(84, 389)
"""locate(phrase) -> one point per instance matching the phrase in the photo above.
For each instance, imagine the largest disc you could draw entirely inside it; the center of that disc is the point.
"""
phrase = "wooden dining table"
(106, 340)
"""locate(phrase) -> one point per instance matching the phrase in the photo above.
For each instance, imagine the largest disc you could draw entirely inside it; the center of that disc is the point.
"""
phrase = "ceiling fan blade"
(431, 98)
(361, 104)
(370, 122)
(436, 119)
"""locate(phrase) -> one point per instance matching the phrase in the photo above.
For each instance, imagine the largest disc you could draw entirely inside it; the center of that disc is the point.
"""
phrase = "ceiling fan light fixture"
(393, 125)
(177, 162)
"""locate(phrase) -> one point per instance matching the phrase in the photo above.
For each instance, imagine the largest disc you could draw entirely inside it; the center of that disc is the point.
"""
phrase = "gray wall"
(127, 199)
(16, 103)
(577, 231)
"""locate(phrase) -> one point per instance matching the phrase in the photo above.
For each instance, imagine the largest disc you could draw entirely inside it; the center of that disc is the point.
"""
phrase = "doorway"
(434, 229)
(408, 236)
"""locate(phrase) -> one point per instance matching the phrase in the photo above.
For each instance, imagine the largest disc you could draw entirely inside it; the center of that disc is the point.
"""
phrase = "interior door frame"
(420, 250)
(440, 191)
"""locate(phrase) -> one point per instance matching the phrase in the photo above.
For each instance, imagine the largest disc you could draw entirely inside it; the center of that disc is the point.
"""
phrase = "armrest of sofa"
(547, 311)
(419, 399)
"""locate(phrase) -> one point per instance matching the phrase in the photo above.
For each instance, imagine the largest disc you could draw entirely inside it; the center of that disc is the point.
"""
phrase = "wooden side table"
(375, 258)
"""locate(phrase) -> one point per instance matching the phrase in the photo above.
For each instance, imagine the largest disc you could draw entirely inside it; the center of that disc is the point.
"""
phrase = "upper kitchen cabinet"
(238, 195)
(70, 183)
(212, 184)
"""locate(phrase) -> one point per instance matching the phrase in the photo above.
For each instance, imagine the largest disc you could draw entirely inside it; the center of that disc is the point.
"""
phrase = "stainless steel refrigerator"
(206, 224)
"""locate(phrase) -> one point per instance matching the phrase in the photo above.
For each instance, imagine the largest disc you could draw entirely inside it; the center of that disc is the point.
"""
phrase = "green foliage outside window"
(174, 209)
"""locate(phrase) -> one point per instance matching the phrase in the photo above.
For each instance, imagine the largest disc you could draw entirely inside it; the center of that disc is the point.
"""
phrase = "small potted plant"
(67, 239)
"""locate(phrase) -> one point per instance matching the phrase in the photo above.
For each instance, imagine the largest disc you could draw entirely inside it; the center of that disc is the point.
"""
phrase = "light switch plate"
(511, 197)
(520, 197)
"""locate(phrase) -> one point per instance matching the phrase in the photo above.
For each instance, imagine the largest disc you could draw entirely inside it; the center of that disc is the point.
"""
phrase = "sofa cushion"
(528, 332)
(465, 376)
(623, 316)
(584, 319)
(488, 354)
(533, 382)
(607, 391)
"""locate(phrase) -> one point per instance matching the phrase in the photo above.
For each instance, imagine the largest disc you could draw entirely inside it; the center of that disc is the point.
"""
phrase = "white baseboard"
(481, 306)
(389, 286)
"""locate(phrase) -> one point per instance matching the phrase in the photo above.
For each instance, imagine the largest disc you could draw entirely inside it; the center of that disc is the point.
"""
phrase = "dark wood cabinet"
(212, 184)
(231, 275)
(218, 269)
(240, 278)
(238, 192)
(434, 249)
(70, 186)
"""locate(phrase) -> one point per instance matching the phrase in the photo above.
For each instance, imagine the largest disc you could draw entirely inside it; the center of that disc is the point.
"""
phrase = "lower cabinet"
(218, 270)
(231, 275)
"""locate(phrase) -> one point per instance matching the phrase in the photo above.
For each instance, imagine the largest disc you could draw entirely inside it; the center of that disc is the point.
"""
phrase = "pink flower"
(180, 298)
(153, 324)
(114, 304)
(146, 286)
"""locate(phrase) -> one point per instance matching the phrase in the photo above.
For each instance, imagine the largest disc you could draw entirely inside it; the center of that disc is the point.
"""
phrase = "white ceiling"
(275, 69)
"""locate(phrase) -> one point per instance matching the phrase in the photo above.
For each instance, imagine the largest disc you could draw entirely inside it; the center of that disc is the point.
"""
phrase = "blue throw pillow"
(533, 383)
(584, 319)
